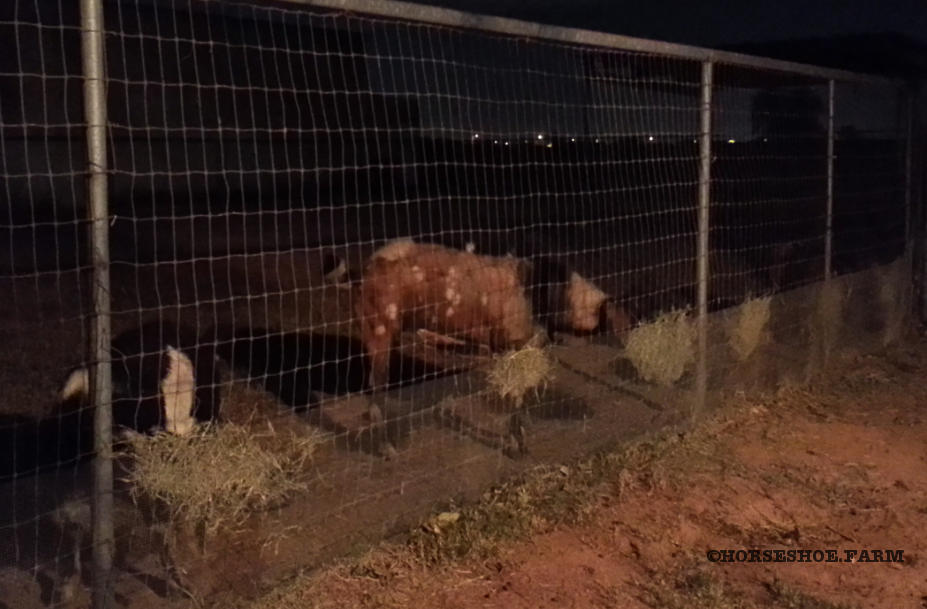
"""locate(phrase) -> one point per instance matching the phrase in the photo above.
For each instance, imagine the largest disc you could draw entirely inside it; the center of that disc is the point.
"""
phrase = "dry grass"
(550, 497)
(516, 373)
(21, 585)
(536, 501)
(829, 315)
(218, 476)
(662, 351)
(243, 402)
(747, 331)
(894, 298)
(787, 597)
(695, 589)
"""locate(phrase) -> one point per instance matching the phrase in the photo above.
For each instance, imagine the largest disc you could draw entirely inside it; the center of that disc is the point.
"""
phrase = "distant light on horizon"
(550, 145)
(650, 139)
(540, 136)
(476, 136)
(572, 139)
(732, 141)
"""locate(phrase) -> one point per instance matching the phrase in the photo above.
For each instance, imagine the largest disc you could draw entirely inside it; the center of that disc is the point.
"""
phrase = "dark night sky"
(715, 22)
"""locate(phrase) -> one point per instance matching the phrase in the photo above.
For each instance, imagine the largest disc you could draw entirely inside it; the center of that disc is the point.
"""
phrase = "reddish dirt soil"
(841, 466)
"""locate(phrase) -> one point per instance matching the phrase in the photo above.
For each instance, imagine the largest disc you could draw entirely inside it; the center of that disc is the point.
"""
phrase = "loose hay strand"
(219, 475)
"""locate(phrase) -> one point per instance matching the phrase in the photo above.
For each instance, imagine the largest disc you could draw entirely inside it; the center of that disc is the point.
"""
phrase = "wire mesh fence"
(320, 385)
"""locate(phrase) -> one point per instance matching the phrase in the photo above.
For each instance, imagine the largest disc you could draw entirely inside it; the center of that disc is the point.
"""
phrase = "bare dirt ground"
(841, 465)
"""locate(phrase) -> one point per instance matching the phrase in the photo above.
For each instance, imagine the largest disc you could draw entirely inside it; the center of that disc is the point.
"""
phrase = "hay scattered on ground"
(22, 586)
(536, 501)
(747, 330)
(219, 475)
(829, 316)
(894, 298)
(242, 402)
(662, 351)
(552, 496)
(518, 372)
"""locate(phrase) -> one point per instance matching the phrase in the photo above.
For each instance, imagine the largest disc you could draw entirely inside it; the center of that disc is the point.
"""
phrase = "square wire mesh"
(252, 145)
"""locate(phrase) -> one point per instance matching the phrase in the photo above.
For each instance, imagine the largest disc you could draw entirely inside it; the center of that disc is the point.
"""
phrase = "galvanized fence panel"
(755, 214)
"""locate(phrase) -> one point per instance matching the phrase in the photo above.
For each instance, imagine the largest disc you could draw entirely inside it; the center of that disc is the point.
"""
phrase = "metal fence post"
(918, 204)
(829, 231)
(100, 370)
(908, 182)
(704, 198)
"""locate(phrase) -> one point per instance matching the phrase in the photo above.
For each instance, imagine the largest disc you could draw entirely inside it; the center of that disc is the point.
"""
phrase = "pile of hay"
(514, 374)
(894, 297)
(662, 351)
(829, 315)
(219, 475)
(747, 330)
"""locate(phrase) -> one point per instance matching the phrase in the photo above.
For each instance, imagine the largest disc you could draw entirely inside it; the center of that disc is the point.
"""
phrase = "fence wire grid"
(679, 226)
